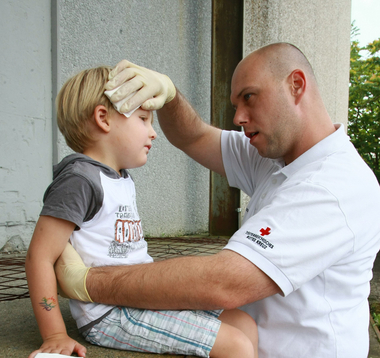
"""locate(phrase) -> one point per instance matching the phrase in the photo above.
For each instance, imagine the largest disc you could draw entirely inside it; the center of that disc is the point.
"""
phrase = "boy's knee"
(232, 342)
(240, 342)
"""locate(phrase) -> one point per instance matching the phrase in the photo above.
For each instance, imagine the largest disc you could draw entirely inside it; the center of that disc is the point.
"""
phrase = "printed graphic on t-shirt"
(128, 233)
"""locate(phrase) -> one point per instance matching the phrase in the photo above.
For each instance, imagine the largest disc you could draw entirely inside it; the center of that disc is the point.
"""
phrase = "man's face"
(265, 109)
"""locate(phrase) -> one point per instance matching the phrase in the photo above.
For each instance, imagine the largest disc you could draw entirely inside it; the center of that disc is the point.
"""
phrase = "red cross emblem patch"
(265, 232)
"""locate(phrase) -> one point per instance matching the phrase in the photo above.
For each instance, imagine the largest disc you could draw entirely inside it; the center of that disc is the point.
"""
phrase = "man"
(302, 261)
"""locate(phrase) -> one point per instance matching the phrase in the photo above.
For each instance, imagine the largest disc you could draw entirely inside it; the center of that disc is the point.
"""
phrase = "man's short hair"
(76, 102)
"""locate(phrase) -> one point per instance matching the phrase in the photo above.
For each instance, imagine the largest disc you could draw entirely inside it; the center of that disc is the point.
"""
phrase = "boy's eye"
(247, 96)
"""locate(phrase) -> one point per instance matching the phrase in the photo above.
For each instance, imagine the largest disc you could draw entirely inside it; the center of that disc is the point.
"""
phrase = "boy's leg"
(243, 321)
(174, 332)
(237, 336)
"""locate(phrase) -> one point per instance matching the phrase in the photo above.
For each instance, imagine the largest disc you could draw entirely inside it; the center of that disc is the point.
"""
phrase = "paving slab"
(19, 334)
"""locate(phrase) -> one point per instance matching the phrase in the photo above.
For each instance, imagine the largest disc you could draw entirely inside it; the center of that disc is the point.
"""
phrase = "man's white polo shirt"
(313, 227)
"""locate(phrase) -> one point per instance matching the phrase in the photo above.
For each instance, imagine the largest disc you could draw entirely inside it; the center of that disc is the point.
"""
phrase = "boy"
(92, 203)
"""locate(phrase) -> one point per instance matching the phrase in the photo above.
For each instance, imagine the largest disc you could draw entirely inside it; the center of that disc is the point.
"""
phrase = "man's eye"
(247, 96)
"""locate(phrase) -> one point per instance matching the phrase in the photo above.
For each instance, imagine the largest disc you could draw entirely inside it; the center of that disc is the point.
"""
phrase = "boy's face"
(131, 138)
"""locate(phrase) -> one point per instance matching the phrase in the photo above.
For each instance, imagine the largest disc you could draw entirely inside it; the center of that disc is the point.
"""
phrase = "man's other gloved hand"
(153, 89)
(71, 275)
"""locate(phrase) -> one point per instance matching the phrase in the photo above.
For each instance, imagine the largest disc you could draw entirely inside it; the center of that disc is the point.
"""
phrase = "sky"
(366, 14)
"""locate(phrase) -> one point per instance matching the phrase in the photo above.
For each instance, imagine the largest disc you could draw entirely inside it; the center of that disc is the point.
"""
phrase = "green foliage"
(364, 101)
(375, 312)
(376, 319)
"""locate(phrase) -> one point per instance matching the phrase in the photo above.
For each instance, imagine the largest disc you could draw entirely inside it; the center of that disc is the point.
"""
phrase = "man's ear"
(297, 81)
(102, 120)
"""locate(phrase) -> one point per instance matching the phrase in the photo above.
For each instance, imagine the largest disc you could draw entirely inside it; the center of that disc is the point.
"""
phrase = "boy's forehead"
(138, 111)
(142, 112)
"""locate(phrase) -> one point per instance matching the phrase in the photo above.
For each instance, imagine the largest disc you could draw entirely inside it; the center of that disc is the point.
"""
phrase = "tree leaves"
(364, 101)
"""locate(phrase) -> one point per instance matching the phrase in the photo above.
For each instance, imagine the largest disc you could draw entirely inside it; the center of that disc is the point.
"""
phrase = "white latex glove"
(71, 275)
(152, 89)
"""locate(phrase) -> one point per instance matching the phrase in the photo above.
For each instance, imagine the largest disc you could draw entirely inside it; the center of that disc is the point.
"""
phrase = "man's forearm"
(180, 122)
(225, 280)
(184, 128)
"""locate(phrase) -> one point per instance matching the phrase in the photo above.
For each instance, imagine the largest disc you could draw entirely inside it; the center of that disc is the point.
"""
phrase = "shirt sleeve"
(72, 198)
(296, 236)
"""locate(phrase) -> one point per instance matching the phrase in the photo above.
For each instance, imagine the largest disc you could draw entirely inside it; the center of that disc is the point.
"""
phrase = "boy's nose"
(153, 133)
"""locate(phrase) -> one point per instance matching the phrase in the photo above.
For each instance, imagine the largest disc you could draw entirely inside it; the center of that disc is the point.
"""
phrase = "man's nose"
(240, 118)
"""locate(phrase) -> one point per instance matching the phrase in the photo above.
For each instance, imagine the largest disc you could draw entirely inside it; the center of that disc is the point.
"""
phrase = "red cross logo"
(265, 231)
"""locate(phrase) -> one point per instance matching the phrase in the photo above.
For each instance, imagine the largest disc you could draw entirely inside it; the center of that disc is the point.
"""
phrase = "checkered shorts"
(174, 332)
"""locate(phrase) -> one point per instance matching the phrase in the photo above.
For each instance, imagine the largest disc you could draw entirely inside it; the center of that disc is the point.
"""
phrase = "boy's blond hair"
(76, 102)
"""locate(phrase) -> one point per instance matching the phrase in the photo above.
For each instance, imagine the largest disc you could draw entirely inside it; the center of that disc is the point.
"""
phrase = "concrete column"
(25, 117)
(320, 29)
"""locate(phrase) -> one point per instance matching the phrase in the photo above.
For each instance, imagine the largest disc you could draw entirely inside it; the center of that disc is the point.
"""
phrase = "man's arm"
(49, 239)
(224, 280)
(184, 129)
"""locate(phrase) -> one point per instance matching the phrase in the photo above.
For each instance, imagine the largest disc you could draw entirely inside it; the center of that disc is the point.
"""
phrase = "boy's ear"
(101, 117)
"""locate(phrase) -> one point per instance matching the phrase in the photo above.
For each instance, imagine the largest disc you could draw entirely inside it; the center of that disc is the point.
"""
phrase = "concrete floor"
(19, 334)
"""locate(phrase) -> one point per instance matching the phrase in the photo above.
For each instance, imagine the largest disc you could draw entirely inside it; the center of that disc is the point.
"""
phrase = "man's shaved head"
(283, 58)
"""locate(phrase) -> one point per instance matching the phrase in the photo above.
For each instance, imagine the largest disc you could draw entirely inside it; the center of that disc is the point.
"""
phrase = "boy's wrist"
(58, 335)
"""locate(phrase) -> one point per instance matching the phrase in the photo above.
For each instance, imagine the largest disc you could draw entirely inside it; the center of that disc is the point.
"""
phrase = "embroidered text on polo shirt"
(259, 240)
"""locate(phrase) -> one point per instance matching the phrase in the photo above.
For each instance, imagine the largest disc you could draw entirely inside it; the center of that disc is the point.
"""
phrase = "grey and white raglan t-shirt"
(102, 205)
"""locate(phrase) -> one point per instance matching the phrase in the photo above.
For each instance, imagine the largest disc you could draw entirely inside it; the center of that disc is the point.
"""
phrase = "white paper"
(51, 355)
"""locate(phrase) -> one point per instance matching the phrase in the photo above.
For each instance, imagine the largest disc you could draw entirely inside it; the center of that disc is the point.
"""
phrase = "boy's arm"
(49, 239)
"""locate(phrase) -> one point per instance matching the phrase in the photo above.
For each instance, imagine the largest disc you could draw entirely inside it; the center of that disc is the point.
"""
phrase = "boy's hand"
(61, 344)
(71, 275)
(153, 89)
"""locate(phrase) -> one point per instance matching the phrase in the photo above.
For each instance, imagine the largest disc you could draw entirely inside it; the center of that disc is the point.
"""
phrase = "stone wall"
(44, 42)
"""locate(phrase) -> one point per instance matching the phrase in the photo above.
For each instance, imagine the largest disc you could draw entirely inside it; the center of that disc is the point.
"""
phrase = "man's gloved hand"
(71, 275)
(152, 89)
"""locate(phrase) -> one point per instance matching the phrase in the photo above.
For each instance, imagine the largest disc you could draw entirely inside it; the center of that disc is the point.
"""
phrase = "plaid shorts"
(173, 332)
